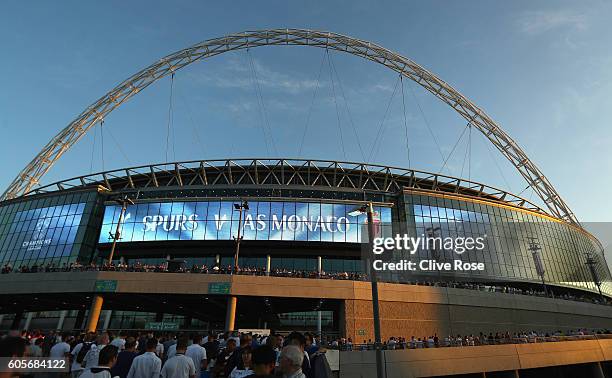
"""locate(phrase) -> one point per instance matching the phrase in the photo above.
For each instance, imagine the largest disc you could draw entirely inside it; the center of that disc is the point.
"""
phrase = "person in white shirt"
(119, 342)
(198, 354)
(430, 342)
(291, 362)
(167, 344)
(107, 358)
(61, 349)
(147, 365)
(179, 366)
(91, 358)
(76, 367)
(171, 351)
(391, 343)
(412, 342)
(36, 348)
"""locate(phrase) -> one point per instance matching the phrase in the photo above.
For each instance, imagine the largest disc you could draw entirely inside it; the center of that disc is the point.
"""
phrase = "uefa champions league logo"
(42, 225)
(37, 240)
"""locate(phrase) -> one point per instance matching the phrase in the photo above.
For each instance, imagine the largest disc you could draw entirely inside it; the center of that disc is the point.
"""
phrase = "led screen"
(218, 220)
(42, 233)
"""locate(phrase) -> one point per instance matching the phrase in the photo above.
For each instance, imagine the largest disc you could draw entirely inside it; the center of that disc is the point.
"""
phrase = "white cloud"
(272, 105)
(536, 22)
(238, 74)
(381, 87)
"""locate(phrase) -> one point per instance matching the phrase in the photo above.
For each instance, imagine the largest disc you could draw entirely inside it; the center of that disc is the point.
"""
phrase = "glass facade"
(43, 231)
(59, 229)
(307, 264)
(306, 320)
(509, 232)
(125, 320)
(218, 220)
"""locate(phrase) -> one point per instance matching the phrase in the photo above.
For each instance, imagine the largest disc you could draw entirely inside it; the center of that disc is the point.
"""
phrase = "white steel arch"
(30, 176)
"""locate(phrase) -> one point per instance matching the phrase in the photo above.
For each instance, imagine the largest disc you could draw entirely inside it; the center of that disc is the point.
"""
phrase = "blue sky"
(541, 69)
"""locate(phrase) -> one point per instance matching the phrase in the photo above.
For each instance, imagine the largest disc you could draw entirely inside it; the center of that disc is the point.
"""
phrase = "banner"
(218, 220)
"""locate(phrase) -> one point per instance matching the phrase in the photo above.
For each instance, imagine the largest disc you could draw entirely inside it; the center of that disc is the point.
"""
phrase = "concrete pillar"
(121, 260)
(268, 264)
(230, 317)
(319, 323)
(28, 320)
(168, 257)
(60, 321)
(319, 264)
(1, 319)
(218, 260)
(94, 313)
(17, 320)
(265, 325)
(107, 319)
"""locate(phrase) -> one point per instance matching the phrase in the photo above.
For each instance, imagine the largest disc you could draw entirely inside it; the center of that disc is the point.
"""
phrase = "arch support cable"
(30, 176)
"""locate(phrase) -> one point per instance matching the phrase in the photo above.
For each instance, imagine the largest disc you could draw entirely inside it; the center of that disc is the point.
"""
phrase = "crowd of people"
(169, 355)
(353, 276)
(201, 269)
(228, 355)
(497, 338)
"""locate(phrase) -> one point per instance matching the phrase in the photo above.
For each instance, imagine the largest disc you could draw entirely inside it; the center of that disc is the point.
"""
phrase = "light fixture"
(243, 205)
(358, 211)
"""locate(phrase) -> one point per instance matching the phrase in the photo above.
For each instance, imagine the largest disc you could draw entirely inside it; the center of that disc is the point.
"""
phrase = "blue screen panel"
(218, 220)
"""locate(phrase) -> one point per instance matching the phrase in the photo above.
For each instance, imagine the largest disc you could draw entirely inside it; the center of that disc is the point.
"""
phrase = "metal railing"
(466, 342)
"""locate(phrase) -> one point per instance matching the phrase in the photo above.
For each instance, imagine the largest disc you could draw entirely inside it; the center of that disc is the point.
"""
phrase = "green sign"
(219, 288)
(162, 326)
(361, 332)
(105, 286)
(154, 326)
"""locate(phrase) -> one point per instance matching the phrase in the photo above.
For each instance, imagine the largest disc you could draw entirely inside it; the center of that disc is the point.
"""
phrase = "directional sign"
(219, 288)
(162, 326)
(105, 286)
(154, 326)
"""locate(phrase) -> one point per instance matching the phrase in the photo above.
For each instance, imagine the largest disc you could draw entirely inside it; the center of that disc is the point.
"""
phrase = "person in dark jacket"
(142, 342)
(319, 365)
(264, 360)
(236, 360)
(224, 357)
(125, 359)
(212, 346)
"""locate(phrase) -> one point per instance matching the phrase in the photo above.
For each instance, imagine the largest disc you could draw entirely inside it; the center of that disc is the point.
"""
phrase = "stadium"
(172, 231)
